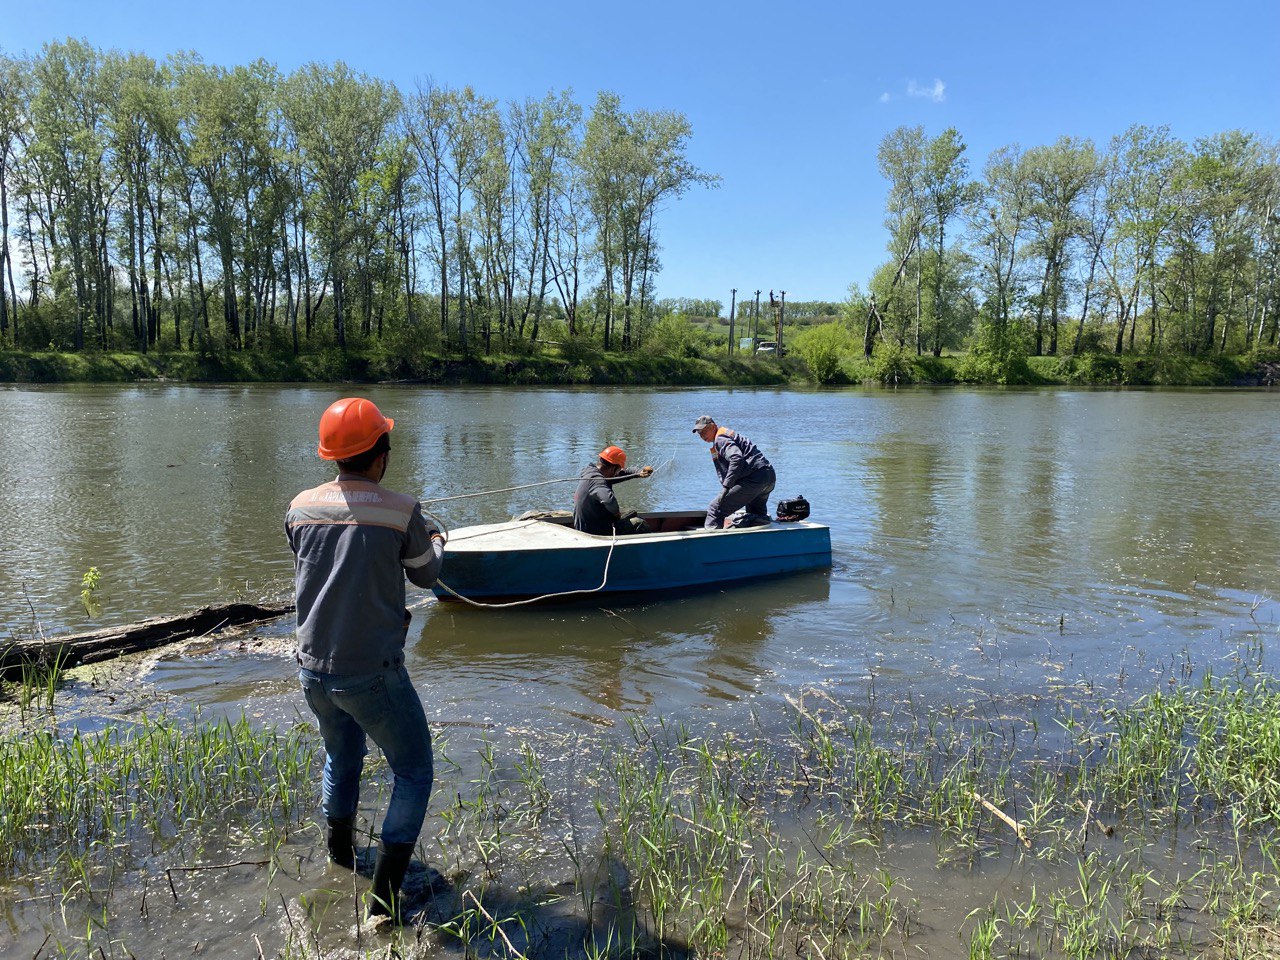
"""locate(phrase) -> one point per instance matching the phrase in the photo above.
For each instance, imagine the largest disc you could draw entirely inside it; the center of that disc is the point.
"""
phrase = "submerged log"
(109, 642)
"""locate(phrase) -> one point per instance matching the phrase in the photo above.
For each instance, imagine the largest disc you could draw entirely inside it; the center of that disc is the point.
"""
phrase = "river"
(986, 543)
(1002, 552)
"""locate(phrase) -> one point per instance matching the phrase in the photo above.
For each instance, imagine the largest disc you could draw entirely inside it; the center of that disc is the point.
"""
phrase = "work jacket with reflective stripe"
(735, 457)
(354, 542)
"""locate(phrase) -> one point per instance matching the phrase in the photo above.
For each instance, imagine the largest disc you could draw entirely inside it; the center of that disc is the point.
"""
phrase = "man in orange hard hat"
(595, 508)
(354, 542)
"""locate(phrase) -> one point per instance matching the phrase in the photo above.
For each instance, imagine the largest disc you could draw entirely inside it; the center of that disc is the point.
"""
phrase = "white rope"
(444, 533)
(485, 493)
(613, 542)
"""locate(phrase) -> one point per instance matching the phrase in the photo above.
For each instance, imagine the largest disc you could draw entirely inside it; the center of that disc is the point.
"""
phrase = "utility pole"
(755, 323)
(733, 302)
(782, 313)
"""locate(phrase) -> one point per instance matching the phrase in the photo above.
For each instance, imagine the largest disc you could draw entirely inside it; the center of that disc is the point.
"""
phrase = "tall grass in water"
(1141, 830)
(83, 803)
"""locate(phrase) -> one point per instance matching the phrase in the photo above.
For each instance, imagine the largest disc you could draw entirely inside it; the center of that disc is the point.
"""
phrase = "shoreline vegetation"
(241, 223)
(590, 367)
(1112, 829)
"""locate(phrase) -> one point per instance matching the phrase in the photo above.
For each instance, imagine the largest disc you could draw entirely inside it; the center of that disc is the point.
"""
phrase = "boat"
(542, 556)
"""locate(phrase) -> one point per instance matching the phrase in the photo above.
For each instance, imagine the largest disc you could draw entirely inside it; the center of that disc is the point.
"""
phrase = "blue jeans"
(752, 492)
(385, 706)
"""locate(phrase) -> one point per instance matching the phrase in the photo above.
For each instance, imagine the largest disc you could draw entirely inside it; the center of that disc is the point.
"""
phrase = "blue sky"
(788, 103)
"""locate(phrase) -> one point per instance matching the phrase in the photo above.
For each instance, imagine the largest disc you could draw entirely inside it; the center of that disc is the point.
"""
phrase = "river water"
(986, 543)
(998, 549)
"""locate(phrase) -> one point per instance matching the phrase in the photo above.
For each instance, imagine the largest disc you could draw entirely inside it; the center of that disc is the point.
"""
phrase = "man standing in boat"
(746, 476)
(354, 542)
(595, 508)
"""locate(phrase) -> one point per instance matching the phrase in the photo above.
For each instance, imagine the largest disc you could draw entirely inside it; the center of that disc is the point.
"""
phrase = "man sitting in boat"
(595, 508)
(746, 476)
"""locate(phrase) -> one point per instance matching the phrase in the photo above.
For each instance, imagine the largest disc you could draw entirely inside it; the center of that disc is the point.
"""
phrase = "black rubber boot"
(341, 841)
(388, 874)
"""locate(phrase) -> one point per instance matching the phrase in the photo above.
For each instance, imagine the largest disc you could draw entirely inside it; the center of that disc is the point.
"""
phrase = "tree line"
(183, 204)
(1147, 244)
(176, 203)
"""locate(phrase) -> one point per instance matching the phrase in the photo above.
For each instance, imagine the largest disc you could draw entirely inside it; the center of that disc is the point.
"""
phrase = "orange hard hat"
(614, 455)
(350, 427)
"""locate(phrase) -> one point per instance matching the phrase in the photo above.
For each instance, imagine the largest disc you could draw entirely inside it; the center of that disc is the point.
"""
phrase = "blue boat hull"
(638, 564)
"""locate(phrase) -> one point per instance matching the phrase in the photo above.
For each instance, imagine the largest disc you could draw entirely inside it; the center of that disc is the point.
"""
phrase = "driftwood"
(97, 645)
(1012, 824)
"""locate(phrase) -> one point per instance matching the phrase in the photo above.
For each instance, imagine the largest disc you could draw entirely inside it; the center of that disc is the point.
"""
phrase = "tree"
(1000, 223)
(13, 123)
(947, 191)
(547, 140)
(73, 85)
(901, 160)
(341, 120)
(632, 164)
(1057, 177)
(1221, 180)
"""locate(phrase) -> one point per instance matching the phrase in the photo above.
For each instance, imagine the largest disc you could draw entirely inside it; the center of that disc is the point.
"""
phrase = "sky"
(787, 102)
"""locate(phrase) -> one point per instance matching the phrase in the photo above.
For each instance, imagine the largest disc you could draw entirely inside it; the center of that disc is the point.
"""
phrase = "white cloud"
(884, 97)
(937, 91)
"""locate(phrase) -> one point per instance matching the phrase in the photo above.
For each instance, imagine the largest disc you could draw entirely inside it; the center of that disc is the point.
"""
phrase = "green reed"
(89, 801)
(762, 842)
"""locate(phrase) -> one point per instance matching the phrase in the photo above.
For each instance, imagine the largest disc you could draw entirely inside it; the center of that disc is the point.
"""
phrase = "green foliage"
(997, 354)
(1182, 370)
(676, 336)
(931, 369)
(406, 347)
(1265, 362)
(579, 351)
(892, 364)
(1100, 368)
(581, 360)
(821, 349)
(88, 591)
(689, 307)
(46, 327)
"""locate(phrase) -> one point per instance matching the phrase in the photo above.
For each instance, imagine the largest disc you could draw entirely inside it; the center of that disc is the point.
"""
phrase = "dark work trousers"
(752, 493)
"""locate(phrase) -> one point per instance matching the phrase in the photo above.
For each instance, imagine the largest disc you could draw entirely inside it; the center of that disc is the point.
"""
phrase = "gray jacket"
(736, 458)
(354, 542)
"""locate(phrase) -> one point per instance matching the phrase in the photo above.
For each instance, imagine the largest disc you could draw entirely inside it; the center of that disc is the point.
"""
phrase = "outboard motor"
(797, 508)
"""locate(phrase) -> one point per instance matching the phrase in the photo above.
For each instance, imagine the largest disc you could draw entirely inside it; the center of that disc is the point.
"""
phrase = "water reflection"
(598, 662)
(1024, 539)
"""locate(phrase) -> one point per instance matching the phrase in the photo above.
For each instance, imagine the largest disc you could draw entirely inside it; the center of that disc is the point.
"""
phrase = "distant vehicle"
(767, 347)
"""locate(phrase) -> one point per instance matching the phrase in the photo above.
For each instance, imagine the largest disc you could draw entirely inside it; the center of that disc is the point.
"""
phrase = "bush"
(931, 369)
(45, 328)
(1090, 368)
(675, 336)
(579, 350)
(411, 342)
(892, 364)
(1265, 364)
(821, 348)
(997, 354)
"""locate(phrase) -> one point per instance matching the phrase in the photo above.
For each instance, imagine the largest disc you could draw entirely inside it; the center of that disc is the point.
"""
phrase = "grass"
(581, 364)
(554, 366)
(1144, 829)
(80, 806)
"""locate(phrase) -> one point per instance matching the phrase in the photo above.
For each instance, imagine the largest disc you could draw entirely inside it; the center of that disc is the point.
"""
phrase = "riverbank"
(829, 828)
(600, 368)
(333, 366)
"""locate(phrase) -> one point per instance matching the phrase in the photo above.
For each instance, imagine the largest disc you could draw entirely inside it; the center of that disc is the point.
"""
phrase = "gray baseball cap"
(702, 422)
